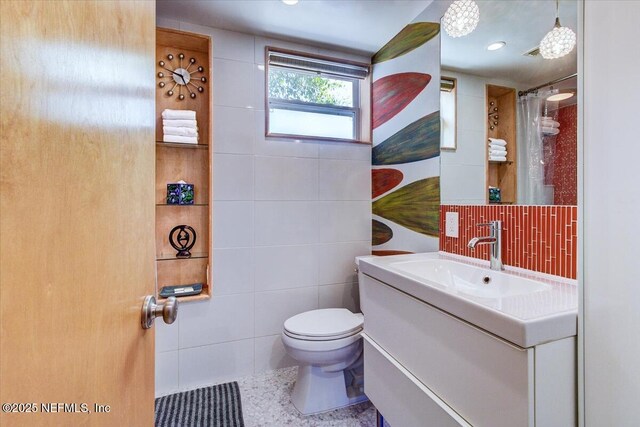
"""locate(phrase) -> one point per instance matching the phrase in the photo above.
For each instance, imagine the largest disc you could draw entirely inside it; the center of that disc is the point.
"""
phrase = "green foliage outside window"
(293, 86)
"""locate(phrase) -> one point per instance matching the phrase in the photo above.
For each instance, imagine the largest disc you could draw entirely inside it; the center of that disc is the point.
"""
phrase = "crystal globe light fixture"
(559, 41)
(461, 18)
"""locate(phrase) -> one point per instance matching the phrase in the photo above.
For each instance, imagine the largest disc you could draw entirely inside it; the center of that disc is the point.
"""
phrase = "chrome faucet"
(495, 240)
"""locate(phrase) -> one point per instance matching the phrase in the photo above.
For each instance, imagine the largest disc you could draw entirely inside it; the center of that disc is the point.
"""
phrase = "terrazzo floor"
(266, 403)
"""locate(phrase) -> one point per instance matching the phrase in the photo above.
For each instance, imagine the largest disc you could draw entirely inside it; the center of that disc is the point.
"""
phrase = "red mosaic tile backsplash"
(539, 238)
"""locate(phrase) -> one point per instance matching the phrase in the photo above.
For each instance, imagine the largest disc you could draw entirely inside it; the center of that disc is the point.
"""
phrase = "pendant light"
(559, 41)
(461, 18)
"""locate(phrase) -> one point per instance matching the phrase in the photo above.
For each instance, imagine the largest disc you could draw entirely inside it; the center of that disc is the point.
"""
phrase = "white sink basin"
(468, 279)
(524, 308)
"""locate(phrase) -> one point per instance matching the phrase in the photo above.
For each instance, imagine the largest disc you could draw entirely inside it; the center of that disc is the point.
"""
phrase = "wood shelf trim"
(181, 206)
(186, 146)
(182, 40)
(172, 257)
(201, 297)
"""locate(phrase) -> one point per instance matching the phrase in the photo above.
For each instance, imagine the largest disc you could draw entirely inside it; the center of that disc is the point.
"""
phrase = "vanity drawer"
(485, 379)
(399, 396)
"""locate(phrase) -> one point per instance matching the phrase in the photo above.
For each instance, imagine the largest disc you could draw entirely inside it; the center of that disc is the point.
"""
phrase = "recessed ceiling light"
(290, 2)
(560, 96)
(496, 45)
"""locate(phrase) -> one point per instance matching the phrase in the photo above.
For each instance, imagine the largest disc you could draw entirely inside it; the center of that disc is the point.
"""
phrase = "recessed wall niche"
(184, 162)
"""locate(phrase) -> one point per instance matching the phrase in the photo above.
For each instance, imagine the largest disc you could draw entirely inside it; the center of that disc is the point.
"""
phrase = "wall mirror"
(509, 116)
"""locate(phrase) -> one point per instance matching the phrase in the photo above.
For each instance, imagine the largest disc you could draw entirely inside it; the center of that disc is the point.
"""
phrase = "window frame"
(454, 90)
(355, 110)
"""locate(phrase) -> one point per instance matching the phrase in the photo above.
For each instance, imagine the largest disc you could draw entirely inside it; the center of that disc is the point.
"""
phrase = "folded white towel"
(180, 139)
(179, 114)
(497, 147)
(498, 158)
(181, 123)
(497, 153)
(179, 131)
(550, 131)
(498, 141)
(550, 123)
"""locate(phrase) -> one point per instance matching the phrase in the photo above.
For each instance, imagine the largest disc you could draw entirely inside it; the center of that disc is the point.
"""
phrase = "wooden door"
(77, 210)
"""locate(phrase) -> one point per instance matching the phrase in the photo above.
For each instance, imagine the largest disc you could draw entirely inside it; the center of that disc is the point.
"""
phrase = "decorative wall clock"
(181, 77)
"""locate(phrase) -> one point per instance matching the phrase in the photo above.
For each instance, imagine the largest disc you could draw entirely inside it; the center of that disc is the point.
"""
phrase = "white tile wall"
(230, 131)
(285, 223)
(238, 89)
(470, 151)
(471, 112)
(284, 267)
(273, 308)
(167, 336)
(233, 177)
(232, 272)
(343, 179)
(336, 261)
(286, 178)
(270, 354)
(232, 224)
(335, 150)
(224, 318)
(167, 364)
(232, 45)
(217, 363)
(340, 295)
(288, 219)
(466, 182)
(342, 221)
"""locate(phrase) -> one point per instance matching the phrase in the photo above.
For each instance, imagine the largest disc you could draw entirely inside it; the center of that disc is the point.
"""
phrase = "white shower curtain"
(531, 169)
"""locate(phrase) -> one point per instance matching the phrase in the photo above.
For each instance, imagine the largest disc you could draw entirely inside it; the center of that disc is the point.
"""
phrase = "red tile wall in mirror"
(565, 178)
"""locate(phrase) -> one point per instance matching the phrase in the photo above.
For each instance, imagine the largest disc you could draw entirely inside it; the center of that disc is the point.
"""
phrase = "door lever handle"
(151, 310)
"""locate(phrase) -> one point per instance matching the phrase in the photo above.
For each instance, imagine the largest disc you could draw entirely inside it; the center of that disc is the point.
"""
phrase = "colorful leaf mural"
(392, 93)
(410, 134)
(411, 37)
(418, 141)
(382, 233)
(383, 180)
(415, 206)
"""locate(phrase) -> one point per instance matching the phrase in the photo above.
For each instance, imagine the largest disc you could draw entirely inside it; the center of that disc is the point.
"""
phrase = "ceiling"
(520, 23)
(360, 26)
(364, 26)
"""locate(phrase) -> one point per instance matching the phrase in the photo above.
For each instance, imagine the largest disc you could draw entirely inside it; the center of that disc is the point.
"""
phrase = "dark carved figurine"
(182, 238)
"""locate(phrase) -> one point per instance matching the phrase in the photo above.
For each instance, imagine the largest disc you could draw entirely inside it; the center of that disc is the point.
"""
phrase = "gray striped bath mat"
(215, 406)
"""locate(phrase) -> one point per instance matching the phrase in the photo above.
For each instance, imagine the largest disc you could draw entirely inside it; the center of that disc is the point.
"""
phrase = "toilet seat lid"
(327, 322)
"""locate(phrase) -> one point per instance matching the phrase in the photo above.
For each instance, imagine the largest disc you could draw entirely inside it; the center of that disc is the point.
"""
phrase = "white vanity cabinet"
(426, 367)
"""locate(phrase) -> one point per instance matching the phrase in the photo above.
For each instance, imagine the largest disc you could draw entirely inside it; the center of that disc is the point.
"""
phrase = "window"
(448, 114)
(313, 98)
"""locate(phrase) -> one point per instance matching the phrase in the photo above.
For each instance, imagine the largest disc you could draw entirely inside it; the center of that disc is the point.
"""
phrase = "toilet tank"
(359, 272)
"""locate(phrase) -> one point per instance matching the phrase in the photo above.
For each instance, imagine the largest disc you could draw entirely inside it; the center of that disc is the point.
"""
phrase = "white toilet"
(328, 345)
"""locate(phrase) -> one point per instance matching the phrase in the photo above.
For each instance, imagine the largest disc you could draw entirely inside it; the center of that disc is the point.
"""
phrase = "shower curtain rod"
(533, 89)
